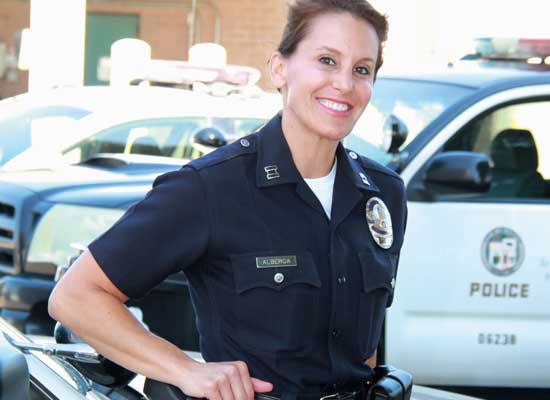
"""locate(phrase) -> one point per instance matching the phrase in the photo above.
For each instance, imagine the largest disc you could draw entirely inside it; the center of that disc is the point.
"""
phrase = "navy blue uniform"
(275, 283)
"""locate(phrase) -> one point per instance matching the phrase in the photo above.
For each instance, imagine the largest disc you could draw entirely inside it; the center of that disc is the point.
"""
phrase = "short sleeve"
(405, 218)
(162, 234)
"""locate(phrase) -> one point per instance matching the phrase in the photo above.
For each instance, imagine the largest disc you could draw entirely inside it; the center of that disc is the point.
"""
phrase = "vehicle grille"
(7, 210)
(7, 243)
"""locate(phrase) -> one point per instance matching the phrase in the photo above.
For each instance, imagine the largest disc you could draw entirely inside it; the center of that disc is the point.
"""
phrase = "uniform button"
(353, 155)
(335, 333)
(392, 283)
(341, 280)
(245, 143)
(279, 278)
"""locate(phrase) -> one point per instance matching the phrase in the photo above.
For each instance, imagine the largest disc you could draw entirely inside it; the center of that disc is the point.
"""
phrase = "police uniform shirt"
(299, 297)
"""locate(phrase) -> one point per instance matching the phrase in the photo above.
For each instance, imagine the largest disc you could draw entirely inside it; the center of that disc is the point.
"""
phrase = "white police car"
(472, 304)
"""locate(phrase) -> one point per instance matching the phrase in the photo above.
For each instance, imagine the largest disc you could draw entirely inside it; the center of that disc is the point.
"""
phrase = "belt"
(354, 393)
(359, 395)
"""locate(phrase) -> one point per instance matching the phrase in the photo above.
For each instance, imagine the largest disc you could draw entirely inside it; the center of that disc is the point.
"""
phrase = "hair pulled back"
(301, 12)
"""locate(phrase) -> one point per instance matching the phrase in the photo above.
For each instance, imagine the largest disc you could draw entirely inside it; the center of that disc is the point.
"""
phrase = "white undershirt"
(323, 188)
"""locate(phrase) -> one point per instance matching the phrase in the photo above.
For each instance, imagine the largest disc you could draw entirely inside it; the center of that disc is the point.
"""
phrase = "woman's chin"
(335, 134)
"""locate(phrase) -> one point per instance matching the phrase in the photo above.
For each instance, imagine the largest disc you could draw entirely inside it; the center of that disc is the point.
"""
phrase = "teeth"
(334, 106)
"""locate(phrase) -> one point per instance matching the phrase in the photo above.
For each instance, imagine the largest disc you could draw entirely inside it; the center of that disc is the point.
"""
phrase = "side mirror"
(395, 133)
(211, 137)
(207, 140)
(458, 172)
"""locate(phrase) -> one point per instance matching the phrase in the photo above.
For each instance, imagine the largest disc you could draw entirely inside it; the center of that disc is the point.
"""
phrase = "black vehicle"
(101, 184)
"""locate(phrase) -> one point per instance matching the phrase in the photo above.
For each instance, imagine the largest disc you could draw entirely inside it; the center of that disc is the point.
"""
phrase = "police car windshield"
(19, 129)
(416, 103)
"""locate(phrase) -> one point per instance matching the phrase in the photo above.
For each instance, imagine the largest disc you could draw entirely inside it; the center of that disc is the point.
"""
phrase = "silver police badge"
(379, 220)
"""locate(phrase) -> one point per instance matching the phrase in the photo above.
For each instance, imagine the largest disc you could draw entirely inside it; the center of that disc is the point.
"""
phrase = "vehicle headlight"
(62, 226)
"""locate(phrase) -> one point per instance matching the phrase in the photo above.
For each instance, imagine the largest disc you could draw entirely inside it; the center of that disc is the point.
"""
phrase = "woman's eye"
(362, 70)
(327, 61)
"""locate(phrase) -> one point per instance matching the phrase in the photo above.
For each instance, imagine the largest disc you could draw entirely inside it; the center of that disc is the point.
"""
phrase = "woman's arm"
(371, 362)
(91, 306)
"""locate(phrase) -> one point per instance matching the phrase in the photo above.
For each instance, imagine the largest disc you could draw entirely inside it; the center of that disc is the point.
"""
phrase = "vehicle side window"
(516, 139)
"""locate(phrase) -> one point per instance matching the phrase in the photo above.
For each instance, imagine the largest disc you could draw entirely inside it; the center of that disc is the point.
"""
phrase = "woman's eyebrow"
(336, 51)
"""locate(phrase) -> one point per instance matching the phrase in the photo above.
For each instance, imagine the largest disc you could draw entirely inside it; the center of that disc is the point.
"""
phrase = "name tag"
(276, 262)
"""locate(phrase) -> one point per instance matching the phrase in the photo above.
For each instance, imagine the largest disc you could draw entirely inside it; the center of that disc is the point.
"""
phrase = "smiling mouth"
(335, 106)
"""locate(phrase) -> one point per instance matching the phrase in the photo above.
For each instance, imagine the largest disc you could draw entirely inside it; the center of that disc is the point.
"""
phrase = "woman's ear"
(277, 70)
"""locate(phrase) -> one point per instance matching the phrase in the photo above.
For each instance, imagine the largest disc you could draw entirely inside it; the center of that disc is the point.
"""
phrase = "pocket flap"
(274, 270)
(378, 269)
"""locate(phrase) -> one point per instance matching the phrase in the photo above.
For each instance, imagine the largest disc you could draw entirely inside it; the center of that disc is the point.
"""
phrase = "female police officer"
(289, 241)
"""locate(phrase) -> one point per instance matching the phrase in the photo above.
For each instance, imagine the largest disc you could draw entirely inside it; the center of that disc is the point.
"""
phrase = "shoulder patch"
(242, 146)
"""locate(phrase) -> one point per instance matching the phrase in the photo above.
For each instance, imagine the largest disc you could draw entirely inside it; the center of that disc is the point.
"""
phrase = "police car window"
(416, 103)
(167, 137)
(516, 139)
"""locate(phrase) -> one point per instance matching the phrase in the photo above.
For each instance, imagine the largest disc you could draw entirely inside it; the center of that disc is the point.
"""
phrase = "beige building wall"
(249, 29)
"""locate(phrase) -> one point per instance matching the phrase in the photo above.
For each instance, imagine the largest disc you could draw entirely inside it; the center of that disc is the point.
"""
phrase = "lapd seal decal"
(502, 251)
(379, 220)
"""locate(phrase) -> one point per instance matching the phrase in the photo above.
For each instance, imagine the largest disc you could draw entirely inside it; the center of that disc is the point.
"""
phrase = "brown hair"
(301, 12)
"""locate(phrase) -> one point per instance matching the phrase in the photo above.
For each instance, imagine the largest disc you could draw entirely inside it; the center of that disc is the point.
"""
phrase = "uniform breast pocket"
(276, 300)
(378, 272)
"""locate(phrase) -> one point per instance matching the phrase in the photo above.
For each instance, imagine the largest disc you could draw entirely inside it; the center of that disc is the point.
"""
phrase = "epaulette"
(240, 147)
(374, 166)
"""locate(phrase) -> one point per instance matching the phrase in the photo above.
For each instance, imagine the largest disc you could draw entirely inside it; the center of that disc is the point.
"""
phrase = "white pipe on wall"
(56, 51)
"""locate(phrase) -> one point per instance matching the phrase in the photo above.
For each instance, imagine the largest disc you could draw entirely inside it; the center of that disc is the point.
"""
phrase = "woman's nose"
(343, 81)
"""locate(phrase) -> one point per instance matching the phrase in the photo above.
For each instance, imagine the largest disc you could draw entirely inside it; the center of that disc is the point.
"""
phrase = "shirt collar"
(276, 167)
(351, 164)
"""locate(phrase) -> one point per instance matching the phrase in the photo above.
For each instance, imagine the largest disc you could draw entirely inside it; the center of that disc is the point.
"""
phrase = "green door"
(102, 30)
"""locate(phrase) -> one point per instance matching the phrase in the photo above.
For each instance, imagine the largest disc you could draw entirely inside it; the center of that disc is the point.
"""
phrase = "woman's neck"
(313, 156)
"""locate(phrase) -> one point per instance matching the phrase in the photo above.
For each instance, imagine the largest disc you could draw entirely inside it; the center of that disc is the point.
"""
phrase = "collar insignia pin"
(272, 172)
(364, 178)
(379, 221)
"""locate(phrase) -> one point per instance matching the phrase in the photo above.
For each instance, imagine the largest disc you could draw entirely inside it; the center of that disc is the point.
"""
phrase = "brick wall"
(249, 29)
(250, 33)
(14, 16)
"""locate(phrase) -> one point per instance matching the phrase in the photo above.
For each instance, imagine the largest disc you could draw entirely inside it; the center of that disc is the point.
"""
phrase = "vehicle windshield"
(416, 103)
(25, 127)
(181, 138)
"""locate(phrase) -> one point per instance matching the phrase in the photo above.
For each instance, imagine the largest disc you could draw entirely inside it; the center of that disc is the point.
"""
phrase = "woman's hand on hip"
(222, 381)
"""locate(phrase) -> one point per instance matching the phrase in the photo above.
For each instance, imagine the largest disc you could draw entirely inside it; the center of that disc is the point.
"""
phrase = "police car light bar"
(131, 62)
(532, 51)
(184, 72)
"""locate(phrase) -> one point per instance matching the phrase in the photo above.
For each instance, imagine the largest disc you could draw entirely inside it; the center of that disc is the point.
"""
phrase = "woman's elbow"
(59, 299)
